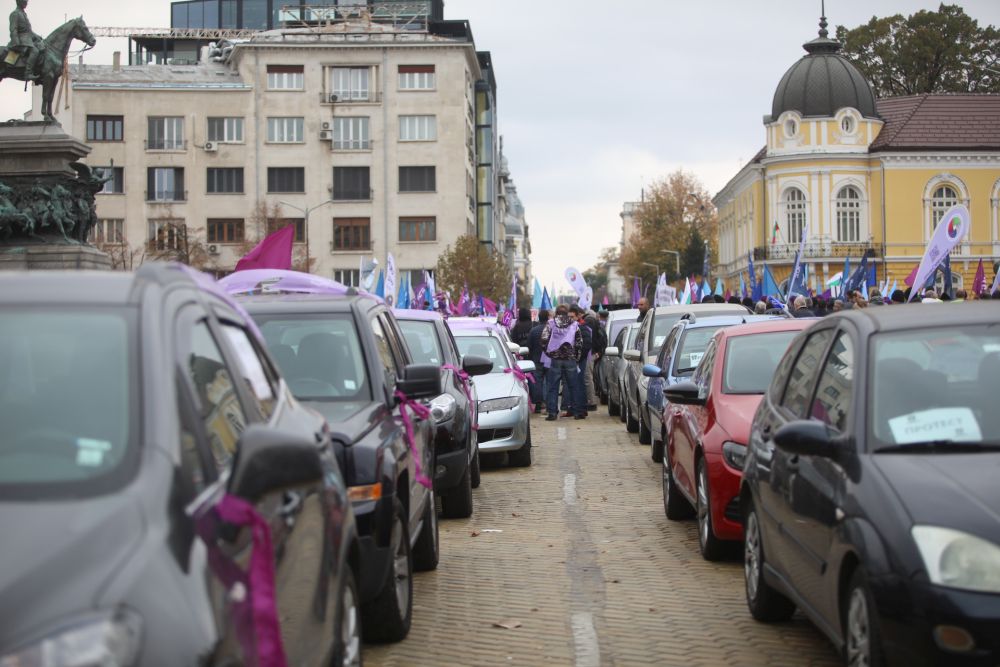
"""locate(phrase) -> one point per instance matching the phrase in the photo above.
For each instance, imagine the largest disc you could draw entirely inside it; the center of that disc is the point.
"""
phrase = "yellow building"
(854, 173)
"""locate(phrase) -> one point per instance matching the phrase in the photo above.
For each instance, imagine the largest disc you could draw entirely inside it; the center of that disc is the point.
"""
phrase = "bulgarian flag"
(774, 233)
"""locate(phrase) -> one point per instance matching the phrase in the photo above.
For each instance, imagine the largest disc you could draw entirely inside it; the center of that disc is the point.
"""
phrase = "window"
(225, 180)
(225, 130)
(833, 393)
(418, 128)
(384, 351)
(795, 214)
(274, 224)
(115, 183)
(803, 375)
(351, 83)
(944, 197)
(417, 229)
(417, 179)
(225, 230)
(349, 277)
(252, 369)
(286, 179)
(104, 128)
(285, 77)
(352, 234)
(165, 184)
(416, 77)
(165, 133)
(351, 133)
(847, 125)
(108, 230)
(166, 234)
(285, 130)
(351, 183)
(791, 127)
(220, 407)
(849, 215)
(422, 340)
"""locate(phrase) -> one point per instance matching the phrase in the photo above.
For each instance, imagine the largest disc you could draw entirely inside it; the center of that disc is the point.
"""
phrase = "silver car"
(617, 320)
(616, 368)
(504, 405)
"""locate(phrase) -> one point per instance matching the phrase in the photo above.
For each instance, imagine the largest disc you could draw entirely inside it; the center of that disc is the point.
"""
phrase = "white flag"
(390, 281)
(950, 231)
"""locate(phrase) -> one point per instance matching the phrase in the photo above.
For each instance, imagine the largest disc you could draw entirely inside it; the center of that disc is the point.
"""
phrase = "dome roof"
(823, 82)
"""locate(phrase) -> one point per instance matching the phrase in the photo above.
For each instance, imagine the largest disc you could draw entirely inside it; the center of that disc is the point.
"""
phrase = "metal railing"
(786, 251)
(353, 145)
(166, 196)
(411, 15)
(165, 144)
(350, 97)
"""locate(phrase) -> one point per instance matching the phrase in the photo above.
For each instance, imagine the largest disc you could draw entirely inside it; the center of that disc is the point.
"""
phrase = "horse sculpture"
(50, 63)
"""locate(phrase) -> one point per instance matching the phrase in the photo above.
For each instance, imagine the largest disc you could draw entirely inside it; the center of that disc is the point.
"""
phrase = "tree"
(672, 211)
(597, 275)
(470, 263)
(928, 52)
(693, 258)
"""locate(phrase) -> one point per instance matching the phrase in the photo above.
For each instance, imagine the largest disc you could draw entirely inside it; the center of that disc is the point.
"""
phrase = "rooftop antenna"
(822, 20)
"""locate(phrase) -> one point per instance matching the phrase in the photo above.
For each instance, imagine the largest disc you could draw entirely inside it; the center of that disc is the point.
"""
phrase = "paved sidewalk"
(577, 551)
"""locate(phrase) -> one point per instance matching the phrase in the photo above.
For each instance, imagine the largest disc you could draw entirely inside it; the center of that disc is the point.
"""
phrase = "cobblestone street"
(575, 556)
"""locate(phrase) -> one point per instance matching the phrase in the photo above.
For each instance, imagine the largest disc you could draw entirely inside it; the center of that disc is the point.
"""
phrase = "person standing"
(643, 307)
(562, 341)
(583, 389)
(802, 308)
(541, 360)
(519, 333)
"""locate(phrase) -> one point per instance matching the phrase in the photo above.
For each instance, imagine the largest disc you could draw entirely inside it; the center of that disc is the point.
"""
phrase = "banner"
(390, 281)
(660, 297)
(576, 281)
(368, 273)
(950, 231)
(587, 298)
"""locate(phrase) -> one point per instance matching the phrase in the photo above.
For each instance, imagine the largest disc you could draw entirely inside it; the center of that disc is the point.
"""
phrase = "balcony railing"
(350, 97)
(166, 196)
(786, 251)
(165, 144)
(353, 145)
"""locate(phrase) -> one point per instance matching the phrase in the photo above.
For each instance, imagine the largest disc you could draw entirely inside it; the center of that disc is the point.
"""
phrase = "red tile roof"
(959, 121)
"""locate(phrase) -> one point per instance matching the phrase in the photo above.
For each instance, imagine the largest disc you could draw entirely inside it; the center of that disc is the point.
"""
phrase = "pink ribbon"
(251, 592)
(466, 383)
(520, 375)
(422, 412)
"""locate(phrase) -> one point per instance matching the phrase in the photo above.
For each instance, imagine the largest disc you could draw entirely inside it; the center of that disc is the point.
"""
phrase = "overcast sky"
(597, 98)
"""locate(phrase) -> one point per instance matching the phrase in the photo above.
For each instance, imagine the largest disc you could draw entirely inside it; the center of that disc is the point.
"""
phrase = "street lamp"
(305, 222)
(677, 256)
(655, 266)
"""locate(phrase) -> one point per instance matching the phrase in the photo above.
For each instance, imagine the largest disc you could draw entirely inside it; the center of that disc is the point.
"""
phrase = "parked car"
(617, 320)
(870, 497)
(707, 422)
(653, 331)
(137, 410)
(504, 404)
(455, 411)
(617, 369)
(343, 354)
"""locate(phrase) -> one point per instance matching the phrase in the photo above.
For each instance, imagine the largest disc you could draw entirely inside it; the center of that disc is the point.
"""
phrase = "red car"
(708, 422)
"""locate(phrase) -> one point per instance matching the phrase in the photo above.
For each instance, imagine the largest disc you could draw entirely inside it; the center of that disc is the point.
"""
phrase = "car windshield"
(751, 360)
(421, 338)
(692, 349)
(616, 326)
(661, 329)
(68, 400)
(936, 386)
(319, 355)
(486, 347)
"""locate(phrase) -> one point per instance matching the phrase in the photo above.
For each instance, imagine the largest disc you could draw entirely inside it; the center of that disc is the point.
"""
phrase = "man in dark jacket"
(584, 378)
(537, 355)
(802, 308)
(562, 341)
(519, 333)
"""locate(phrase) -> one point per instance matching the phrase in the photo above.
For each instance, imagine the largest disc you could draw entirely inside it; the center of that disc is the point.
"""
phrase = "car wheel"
(387, 617)
(712, 548)
(675, 506)
(765, 603)
(347, 650)
(457, 502)
(475, 475)
(862, 637)
(657, 448)
(645, 435)
(427, 549)
(521, 458)
(631, 423)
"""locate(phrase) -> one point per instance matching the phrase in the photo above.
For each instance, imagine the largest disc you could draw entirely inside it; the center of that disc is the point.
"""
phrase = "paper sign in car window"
(695, 357)
(90, 453)
(958, 424)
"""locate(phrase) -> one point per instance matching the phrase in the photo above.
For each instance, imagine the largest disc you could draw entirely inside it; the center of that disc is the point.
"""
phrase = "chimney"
(117, 61)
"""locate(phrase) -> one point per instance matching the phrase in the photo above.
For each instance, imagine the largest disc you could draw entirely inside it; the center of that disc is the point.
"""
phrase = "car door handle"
(765, 431)
(793, 462)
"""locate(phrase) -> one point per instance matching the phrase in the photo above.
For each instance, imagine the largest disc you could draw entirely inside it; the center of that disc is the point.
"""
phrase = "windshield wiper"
(943, 445)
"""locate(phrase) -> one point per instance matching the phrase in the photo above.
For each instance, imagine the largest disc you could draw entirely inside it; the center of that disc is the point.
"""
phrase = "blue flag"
(946, 273)
(380, 286)
(743, 287)
(770, 284)
(536, 296)
(719, 287)
(546, 302)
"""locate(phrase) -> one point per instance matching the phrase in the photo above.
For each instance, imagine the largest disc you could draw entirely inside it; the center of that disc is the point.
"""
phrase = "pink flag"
(979, 283)
(604, 301)
(274, 252)
(913, 275)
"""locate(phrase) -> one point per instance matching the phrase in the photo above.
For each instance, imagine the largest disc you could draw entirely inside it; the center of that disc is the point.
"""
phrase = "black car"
(135, 409)
(455, 411)
(344, 356)
(870, 495)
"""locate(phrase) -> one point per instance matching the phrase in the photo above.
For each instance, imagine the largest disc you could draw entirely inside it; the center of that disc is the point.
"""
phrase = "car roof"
(725, 320)
(772, 325)
(695, 307)
(875, 319)
(467, 332)
(623, 314)
(411, 314)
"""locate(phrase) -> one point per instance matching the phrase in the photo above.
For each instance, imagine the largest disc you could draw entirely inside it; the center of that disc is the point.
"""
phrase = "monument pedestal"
(52, 257)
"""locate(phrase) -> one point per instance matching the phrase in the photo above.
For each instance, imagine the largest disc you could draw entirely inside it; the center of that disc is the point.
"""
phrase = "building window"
(348, 277)
(115, 183)
(227, 130)
(417, 229)
(352, 234)
(166, 133)
(417, 128)
(795, 214)
(847, 125)
(108, 230)
(351, 134)
(351, 83)
(104, 128)
(165, 184)
(944, 197)
(351, 183)
(285, 130)
(791, 128)
(225, 230)
(285, 77)
(416, 77)
(225, 180)
(286, 179)
(166, 234)
(274, 224)
(417, 179)
(849, 215)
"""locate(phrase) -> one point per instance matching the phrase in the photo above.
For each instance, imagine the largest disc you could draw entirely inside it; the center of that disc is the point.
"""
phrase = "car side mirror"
(631, 355)
(807, 437)
(684, 393)
(474, 365)
(612, 352)
(420, 381)
(513, 347)
(270, 459)
(652, 371)
(526, 366)
(523, 351)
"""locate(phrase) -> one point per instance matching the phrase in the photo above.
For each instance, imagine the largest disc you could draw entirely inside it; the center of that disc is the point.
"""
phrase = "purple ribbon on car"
(520, 375)
(421, 411)
(466, 383)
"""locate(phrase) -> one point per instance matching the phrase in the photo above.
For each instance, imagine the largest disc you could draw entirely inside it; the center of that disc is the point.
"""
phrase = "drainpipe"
(256, 139)
(885, 241)
(385, 154)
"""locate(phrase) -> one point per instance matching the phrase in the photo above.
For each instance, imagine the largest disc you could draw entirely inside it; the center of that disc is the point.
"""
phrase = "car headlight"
(959, 560)
(443, 408)
(735, 454)
(507, 403)
(108, 639)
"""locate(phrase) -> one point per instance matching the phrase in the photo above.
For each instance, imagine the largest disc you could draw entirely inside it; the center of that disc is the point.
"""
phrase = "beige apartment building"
(376, 136)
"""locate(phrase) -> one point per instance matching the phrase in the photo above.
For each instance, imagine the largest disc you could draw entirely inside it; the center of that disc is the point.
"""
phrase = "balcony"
(166, 196)
(818, 250)
(357, 145)
(165, 145)
(341, 97)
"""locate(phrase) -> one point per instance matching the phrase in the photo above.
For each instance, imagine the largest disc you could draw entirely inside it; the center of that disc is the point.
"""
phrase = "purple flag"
(274, 252)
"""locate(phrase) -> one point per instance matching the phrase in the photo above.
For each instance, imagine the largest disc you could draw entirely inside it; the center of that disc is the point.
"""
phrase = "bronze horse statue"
(50, 63)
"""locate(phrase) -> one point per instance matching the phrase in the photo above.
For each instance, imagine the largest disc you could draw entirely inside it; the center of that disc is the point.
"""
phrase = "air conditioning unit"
(327, 126)
(326, 135)
(332, 97)
(213, 249)
(211, 147)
